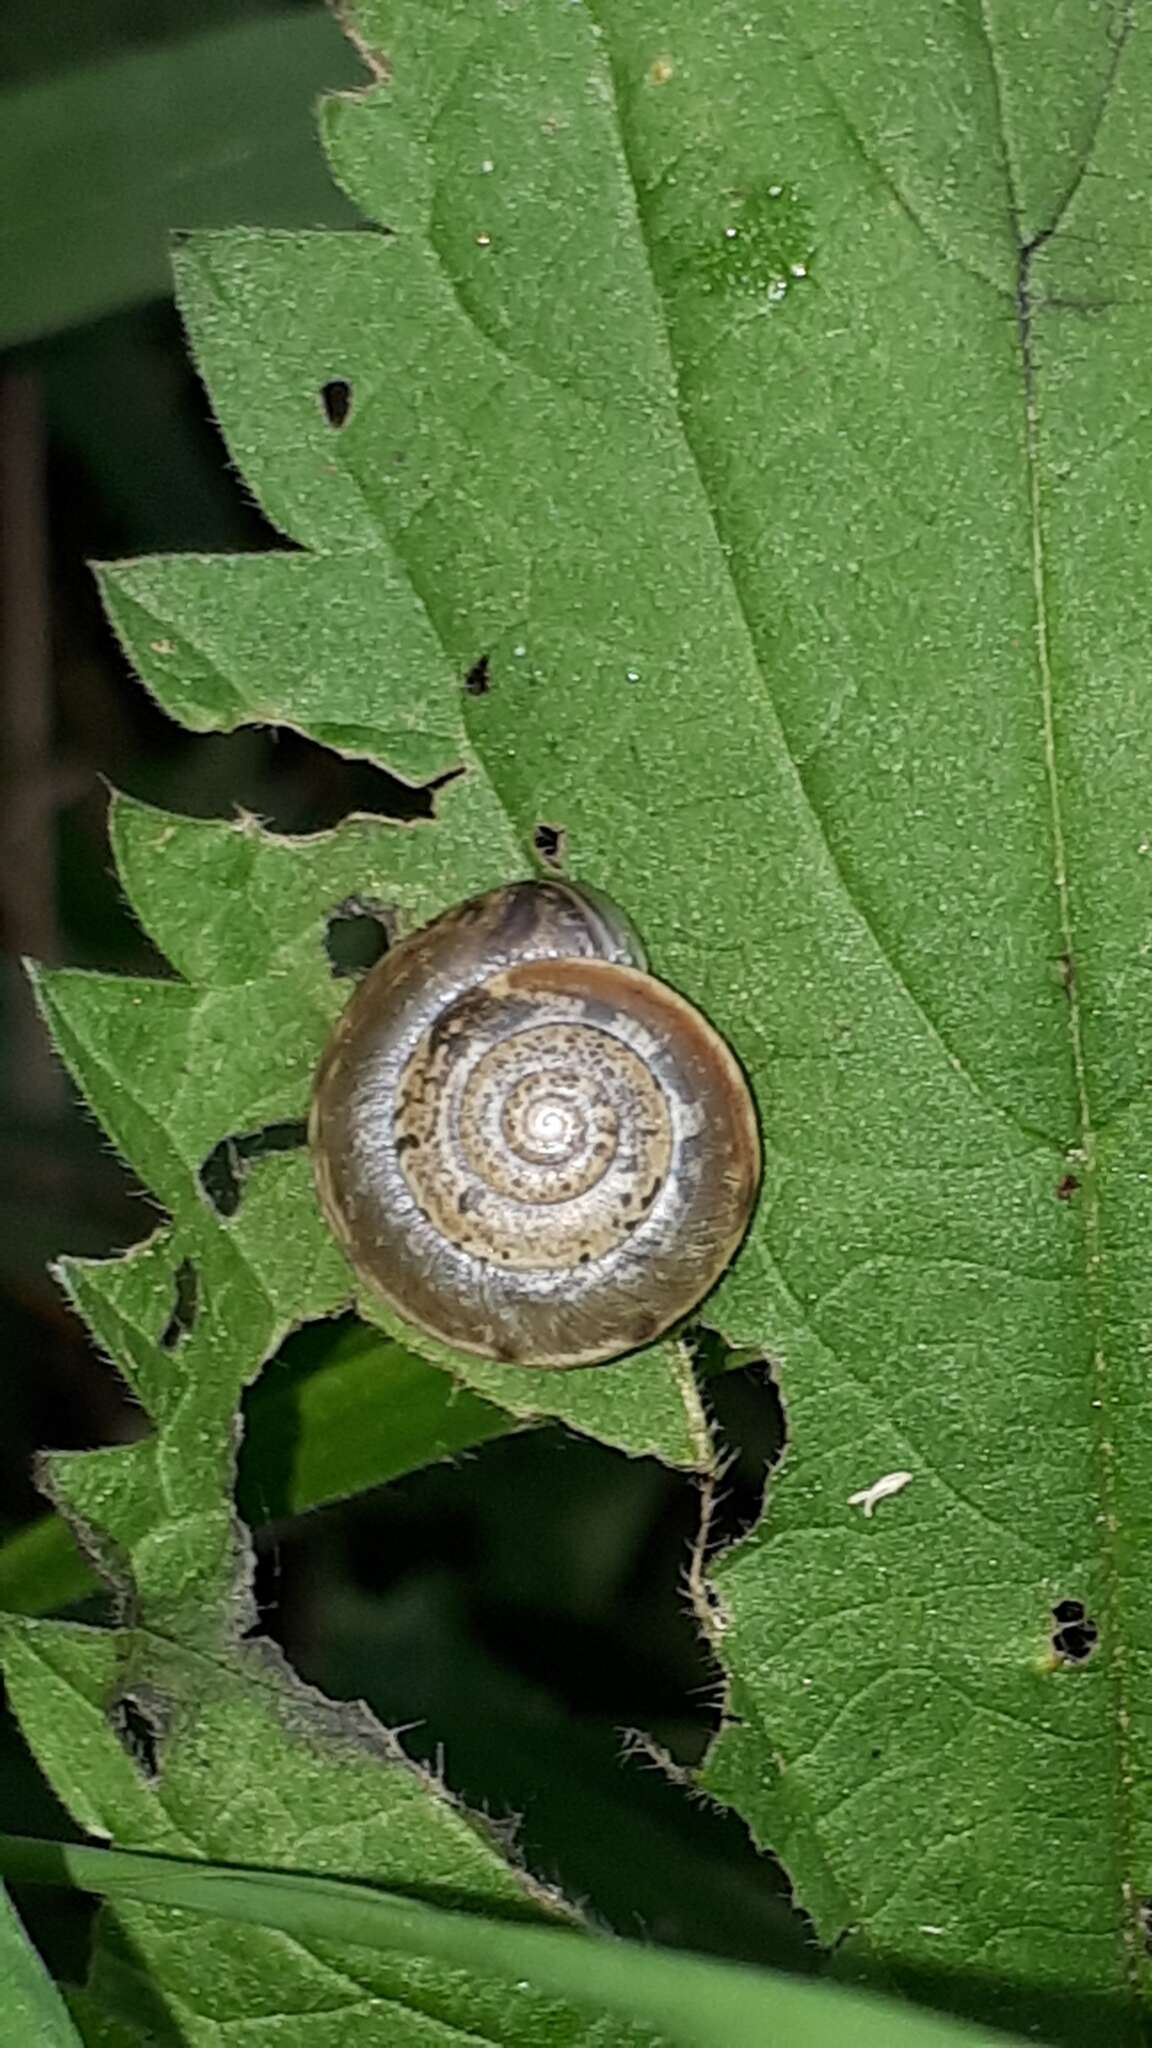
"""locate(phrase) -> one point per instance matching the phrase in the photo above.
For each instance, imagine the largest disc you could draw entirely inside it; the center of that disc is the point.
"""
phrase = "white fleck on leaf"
(869, 1497)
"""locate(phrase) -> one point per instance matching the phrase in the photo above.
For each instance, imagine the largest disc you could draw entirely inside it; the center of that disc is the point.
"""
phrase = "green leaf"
(854, 627)
(42, 1568)
(184, 1754)
(100, 164)
(368, 1412)
(177, 1070)
(695, 2001)
(228, 903)
(33, 2009)
(760, 391)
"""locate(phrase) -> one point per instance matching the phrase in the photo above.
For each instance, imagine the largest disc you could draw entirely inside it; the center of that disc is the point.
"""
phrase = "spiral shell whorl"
(529, 1146)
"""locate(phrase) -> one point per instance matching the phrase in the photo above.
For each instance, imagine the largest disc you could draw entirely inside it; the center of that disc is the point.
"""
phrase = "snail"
(528, 1147)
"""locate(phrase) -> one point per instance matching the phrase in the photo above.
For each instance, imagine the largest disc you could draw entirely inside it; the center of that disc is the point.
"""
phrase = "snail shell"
(529, 1147)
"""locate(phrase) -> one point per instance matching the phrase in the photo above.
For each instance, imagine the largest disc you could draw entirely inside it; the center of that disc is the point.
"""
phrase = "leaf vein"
(1088, 1138)
(930, 1026)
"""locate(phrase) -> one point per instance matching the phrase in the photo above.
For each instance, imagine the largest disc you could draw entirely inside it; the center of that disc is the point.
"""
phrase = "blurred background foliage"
(517, 1610)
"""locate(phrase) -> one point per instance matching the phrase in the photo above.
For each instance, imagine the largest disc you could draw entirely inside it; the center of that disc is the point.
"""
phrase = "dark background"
(514, 1612)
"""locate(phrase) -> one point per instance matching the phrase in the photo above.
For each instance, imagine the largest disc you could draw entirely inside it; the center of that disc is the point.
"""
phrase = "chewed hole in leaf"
(589, 1661)
(480, 1620)
(336, 398)
(185, 1306)
(551, 844)
(139, 1731)
(339, 787)
(224, 1171)
(748, 1418)
(294, 785)
(358, 934)
(1075, 1635)
(478, 680)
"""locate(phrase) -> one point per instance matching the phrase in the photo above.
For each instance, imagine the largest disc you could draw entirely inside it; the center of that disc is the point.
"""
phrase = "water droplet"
(521, 649)
(633, 675)
(483, 241)
(752, 239)
(487, 164)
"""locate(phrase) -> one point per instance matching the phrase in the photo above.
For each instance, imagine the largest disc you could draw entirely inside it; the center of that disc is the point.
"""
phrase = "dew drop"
(758, 237)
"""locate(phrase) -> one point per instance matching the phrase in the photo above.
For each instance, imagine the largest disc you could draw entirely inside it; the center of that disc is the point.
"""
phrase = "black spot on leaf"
(336, 398)
(1068, 1610)
(138, 1729)
(1075, 1635)
(185, 1306)
(551, 844)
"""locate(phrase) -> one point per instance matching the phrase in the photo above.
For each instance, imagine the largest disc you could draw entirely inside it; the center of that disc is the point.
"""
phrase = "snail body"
(528, 1146)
